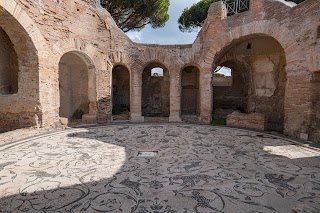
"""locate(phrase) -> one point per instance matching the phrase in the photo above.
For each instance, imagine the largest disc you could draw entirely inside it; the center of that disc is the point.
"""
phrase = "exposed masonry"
(272, 48)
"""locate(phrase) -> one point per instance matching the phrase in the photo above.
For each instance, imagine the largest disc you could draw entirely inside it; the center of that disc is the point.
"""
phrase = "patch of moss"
(219, 122)
(120, 109)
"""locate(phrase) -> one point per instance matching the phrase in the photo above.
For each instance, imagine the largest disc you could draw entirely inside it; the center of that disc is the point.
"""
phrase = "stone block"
(89, 119)
(64, 121)
(174, 118)
(156, 119)
(136, 118)
(304, 136)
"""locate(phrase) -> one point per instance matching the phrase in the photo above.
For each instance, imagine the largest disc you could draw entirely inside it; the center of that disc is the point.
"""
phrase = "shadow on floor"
(198, 169)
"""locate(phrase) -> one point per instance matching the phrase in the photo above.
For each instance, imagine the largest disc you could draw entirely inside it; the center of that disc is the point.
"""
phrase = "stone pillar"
(92, 94)
(135, 96)
(91, 118)
(205, 86)
(49, 90)
(104, 95)
(175, 96)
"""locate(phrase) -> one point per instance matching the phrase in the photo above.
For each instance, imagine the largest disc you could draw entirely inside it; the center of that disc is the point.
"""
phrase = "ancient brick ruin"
(63, 59)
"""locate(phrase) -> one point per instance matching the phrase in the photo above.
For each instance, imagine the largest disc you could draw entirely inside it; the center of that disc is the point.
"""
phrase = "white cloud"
(170, 34)
(225, 71)
(135, 36)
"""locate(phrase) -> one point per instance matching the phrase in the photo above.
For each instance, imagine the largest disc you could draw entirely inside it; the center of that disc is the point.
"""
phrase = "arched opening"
(121, 93)
(258, 79)
(190, 93)
(155, 91)
(9, 66)
(19, 75)
(230, 89)
(73, 86)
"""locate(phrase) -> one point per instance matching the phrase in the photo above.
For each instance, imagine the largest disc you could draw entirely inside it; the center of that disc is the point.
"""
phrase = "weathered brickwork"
(258, 79)
(277, 71)
(255, 121)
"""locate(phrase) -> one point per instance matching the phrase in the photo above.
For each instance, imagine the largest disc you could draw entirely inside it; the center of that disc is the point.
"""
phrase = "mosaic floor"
(197, 169)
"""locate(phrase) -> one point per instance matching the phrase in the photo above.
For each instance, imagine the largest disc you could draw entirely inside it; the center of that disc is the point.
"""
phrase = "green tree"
(136, 14)
(194, 17)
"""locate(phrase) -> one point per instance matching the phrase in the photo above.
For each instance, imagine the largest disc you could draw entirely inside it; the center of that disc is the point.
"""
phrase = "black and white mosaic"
(197, 169)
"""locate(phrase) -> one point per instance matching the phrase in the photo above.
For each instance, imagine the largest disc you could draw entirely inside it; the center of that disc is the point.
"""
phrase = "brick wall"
(43, 31)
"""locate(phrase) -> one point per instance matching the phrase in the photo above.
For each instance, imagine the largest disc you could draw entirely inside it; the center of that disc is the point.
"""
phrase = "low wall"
(253, 121)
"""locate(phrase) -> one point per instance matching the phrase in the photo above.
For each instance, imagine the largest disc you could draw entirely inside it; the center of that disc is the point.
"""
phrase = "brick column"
(104, 95)
(135, 96)
(297, 106)
(206, 101)
(91, 117)
(175, 96)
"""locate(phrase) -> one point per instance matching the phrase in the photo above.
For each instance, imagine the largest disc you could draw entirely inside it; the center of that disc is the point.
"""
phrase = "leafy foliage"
(136, 14)
(193, 17)
(118, 110)
(219, 122)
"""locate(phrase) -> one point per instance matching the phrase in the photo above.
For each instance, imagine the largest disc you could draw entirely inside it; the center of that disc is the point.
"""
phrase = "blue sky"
(170, 34)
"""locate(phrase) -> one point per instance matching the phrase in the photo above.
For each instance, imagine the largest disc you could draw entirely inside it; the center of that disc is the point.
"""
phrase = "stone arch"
(121, 94)
(190, 104)
(189, 65)
(155, 91)
(158, 63)
(14, 11)
(77, 87)
(84, 49)
(125, 65)
(270, 28)
(231, 93)
(24, 108)
(94, 61)
(264, 66)
(120, 58)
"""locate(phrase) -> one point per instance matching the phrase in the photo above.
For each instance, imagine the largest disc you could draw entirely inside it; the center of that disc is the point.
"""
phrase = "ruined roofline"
(112, 25)
(216, 9)
(216, 13)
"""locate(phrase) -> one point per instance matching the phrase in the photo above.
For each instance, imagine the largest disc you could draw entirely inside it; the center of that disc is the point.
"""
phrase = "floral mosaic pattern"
(198, 169)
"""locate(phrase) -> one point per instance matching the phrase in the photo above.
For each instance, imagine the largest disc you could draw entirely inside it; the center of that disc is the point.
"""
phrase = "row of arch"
(250, 91)
(75, 91)
(256, 84)
(155, 100)
(225, 57)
